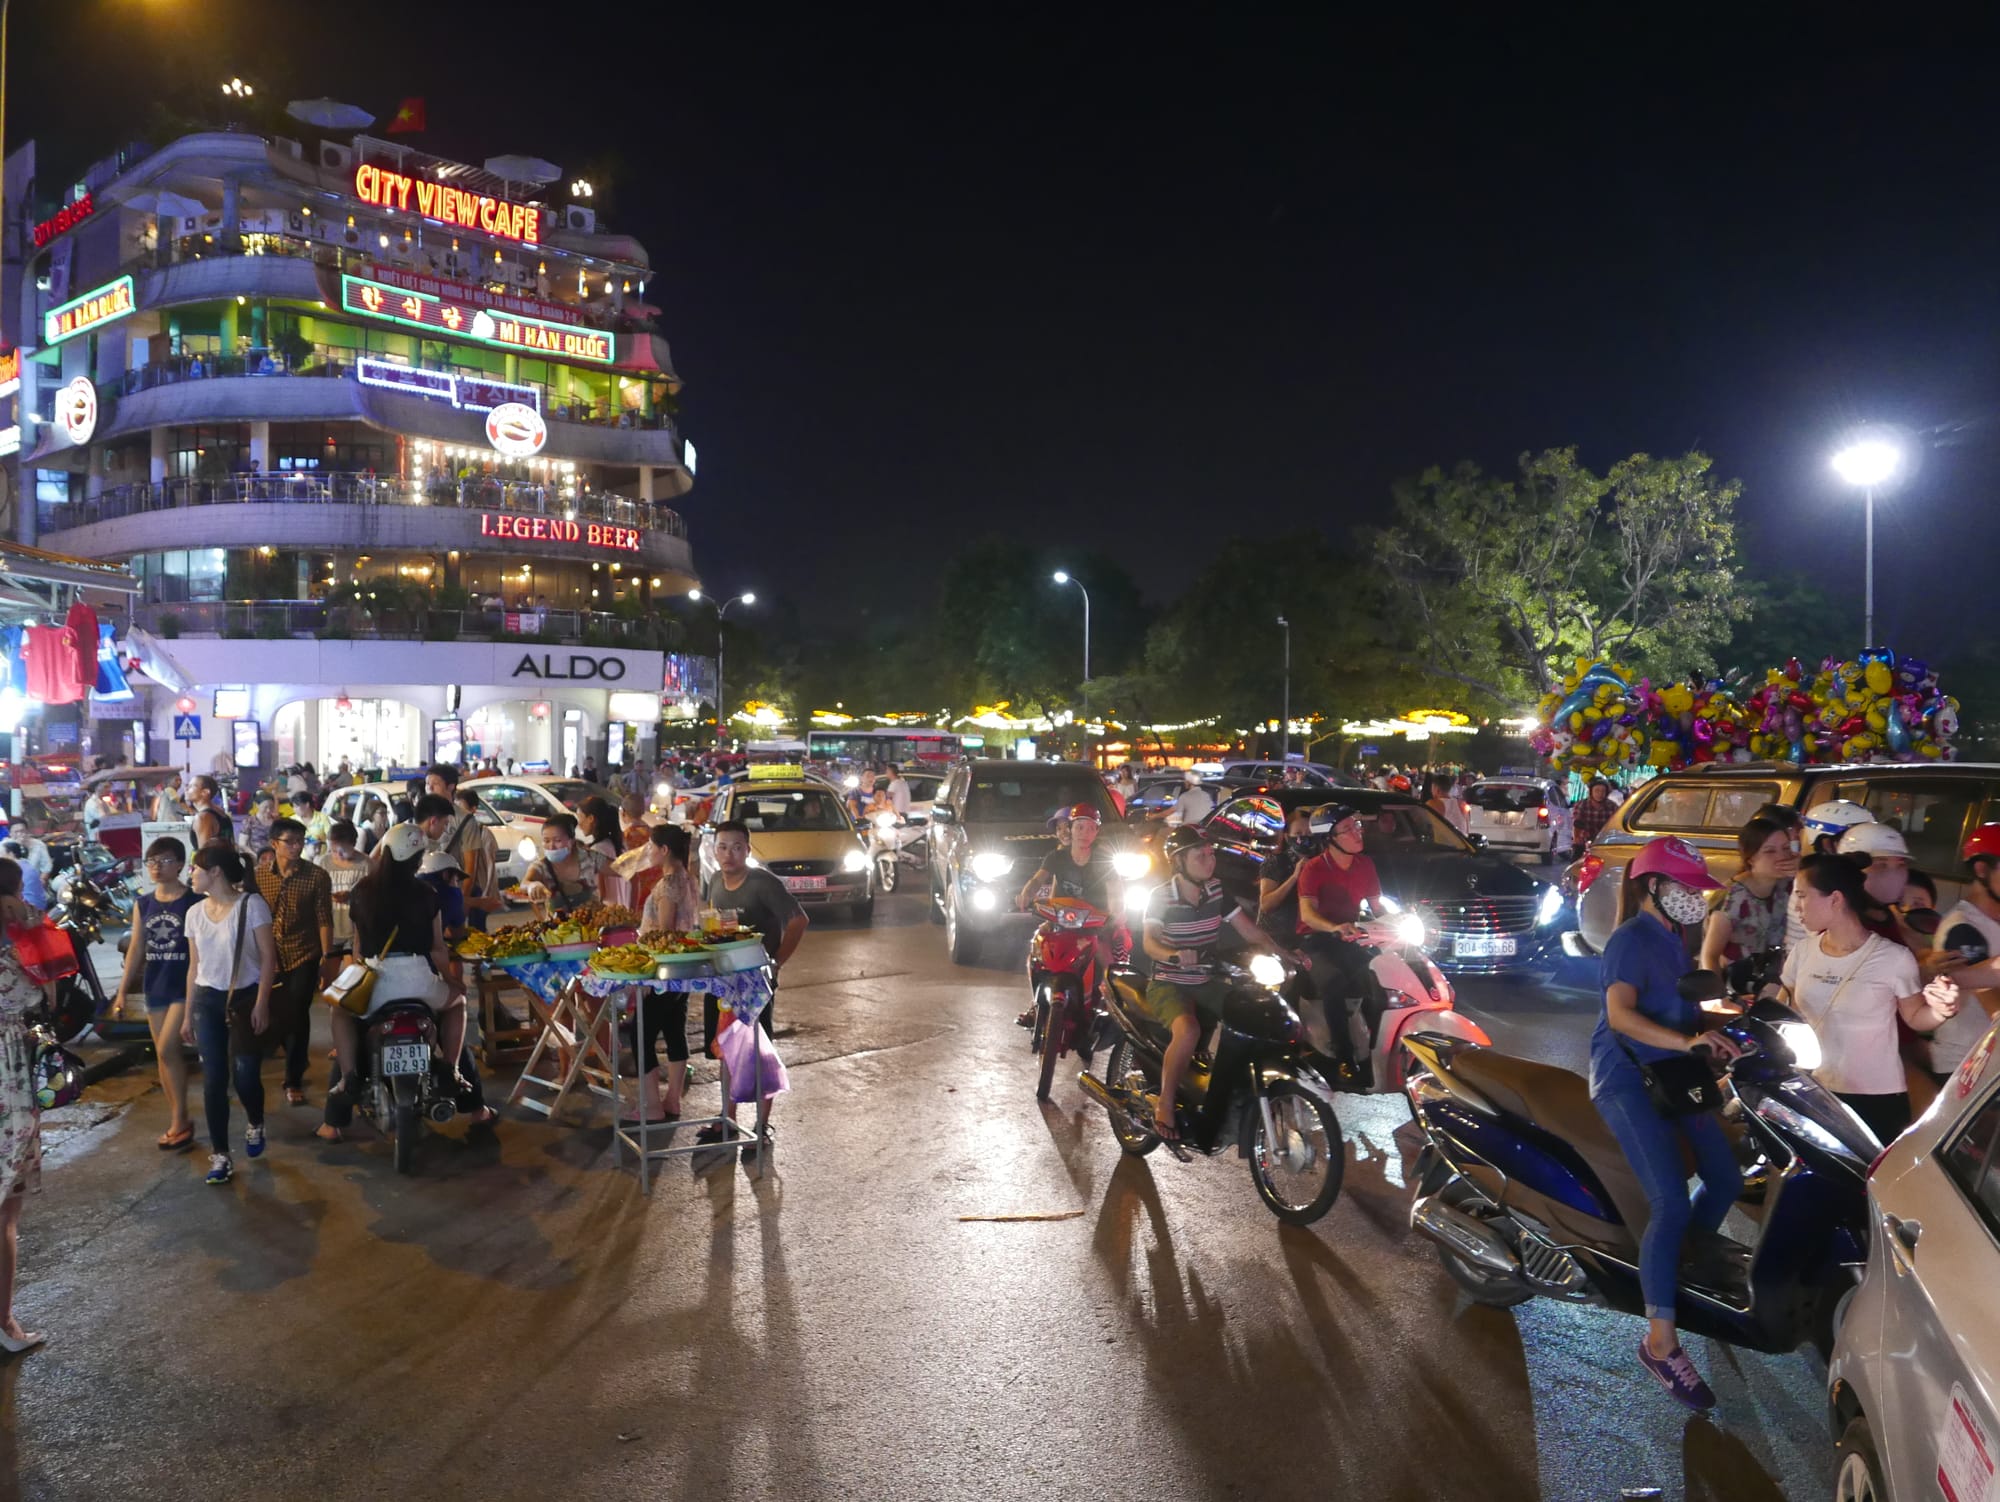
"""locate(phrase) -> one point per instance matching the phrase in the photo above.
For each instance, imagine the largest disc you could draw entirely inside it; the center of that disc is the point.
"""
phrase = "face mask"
(1683, 905)
(557, 852)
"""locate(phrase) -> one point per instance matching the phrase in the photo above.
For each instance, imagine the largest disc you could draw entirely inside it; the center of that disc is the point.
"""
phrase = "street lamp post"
(1062, 577)
(748, 597)
(1867, 463)
(1285, 731)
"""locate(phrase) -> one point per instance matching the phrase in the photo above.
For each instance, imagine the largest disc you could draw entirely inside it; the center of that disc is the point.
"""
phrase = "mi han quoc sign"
(505, 524)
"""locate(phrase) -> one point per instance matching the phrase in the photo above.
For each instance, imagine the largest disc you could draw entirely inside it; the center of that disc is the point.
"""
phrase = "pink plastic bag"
(737, 1045)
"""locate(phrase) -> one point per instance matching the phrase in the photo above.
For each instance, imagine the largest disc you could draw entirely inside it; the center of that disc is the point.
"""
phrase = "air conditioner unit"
(521, 276)
(351, 238)
(290, 148)
(335, 158)
(582, 220)
(295, 223)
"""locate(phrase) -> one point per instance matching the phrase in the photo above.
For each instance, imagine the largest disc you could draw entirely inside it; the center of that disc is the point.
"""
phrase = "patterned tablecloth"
(743, 992)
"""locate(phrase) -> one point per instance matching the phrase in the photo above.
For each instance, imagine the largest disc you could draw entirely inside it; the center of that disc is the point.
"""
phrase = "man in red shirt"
(1332, 887)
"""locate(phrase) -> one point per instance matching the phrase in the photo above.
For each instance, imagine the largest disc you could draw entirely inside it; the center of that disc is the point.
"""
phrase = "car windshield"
(1031, 797)
(1407, 826)
(789, 811)
(1503, 797)
(571, 795)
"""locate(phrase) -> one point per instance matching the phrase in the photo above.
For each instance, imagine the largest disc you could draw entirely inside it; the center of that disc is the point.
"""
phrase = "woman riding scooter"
(1646, 1020)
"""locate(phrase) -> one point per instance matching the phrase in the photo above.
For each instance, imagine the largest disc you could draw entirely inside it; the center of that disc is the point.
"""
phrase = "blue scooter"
(1526, 1192)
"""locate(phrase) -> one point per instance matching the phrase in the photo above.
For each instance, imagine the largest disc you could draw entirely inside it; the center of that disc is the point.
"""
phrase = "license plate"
(805, 883)
(406, 1058)
(1482, 946)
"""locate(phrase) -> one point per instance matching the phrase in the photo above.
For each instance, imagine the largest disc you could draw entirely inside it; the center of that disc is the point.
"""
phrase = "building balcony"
(358, 619)
(356, 513)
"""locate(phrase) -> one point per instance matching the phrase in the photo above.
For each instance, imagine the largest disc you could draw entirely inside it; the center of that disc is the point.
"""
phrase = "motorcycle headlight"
(1390, 904)
(1130, 865)
(990, 865)
(1267, 970)
(663, 790)
(1551, 908)
(851, 782)
(1801, 1042)
(854, 860)
(885, 822)
(1409, 929)
(528, 851)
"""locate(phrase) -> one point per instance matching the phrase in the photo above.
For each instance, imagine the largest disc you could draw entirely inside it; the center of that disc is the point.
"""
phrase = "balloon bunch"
(1879, 707)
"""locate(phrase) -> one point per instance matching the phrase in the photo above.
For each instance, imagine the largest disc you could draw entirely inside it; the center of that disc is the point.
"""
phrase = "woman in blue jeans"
(1646, 1019)
(231, 962)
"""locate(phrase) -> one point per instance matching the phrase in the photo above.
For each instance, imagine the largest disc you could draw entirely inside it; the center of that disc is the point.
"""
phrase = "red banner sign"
(554, 529)
(386, 188)
(65, 219)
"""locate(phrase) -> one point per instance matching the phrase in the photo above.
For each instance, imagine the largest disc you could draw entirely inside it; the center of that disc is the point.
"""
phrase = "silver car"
(1914, 1383)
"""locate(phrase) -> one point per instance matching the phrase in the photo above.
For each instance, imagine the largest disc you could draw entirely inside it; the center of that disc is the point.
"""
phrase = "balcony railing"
(279, 620)
(339, 488)
(327, 360)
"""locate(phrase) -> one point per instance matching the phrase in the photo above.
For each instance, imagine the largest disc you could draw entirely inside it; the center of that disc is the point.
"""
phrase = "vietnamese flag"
(409, 117)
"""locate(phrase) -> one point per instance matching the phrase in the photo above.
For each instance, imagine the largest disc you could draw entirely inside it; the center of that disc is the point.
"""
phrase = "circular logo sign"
(516, 429)
(76, 410)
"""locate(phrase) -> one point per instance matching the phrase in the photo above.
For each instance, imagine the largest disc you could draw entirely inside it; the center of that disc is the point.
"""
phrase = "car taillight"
(1589, 871)
(1542, 814)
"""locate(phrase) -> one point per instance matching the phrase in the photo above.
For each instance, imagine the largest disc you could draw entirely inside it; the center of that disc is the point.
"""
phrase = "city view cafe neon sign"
(388, 189)
(501, 330)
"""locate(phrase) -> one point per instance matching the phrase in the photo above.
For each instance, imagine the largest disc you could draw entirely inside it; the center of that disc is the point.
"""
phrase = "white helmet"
(1870, 840)
(1833, 819)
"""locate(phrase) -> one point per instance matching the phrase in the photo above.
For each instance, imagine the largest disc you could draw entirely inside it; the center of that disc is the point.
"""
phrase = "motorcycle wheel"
(1055, 1035)
(1494, 1290)
(1121, 1072)
(885, 874)
(1299, 1176)
(406, 1125)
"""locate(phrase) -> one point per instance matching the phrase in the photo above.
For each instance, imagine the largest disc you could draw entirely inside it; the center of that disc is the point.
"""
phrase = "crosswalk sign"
(187, 727)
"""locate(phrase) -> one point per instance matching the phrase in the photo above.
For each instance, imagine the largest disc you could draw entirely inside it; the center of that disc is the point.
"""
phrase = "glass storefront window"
(208, 451)
(373, 733)
(344, 448)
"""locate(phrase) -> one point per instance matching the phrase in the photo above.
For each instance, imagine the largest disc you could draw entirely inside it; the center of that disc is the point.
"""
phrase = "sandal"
(294, 1096)
(173, 1141)
(485, 1116)
(327, 1133)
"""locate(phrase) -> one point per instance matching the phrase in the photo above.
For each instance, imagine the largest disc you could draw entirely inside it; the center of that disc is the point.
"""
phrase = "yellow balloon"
(1879, 678)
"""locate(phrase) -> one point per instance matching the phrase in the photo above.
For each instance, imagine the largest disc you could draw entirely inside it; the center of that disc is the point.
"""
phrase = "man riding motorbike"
(1333, 884)
(1080, 870)
(1184, 920)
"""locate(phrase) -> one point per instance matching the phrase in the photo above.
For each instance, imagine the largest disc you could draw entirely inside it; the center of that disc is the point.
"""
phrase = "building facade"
(385, 440)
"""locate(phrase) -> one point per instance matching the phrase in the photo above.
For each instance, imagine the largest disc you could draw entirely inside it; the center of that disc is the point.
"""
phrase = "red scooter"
(1063, 973)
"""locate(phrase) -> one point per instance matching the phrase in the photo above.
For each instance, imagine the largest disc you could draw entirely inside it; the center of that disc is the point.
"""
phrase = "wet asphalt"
(515, 1320)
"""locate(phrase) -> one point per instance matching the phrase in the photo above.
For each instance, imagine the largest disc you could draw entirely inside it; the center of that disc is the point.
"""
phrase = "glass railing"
(338, 488)
(280, 620)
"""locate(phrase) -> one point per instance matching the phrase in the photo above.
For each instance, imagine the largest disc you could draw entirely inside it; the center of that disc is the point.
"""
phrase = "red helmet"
(1399, 783)
(1983, 841)
(1083, 811)
(1672, 857)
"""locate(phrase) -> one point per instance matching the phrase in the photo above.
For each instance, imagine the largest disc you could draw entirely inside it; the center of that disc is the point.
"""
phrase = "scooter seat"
(1558, 1101)
(1130, 989)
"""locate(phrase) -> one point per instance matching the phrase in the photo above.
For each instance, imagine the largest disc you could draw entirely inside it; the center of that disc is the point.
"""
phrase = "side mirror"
(1701, 985)
(1965, 941)
(940, 814)
(1476, 841)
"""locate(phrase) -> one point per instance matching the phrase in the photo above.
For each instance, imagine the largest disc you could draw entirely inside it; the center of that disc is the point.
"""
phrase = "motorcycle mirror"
(1701, 985)
(1967, 942)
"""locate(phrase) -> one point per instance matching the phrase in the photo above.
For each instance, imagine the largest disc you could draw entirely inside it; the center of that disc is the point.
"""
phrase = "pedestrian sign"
(187, 727)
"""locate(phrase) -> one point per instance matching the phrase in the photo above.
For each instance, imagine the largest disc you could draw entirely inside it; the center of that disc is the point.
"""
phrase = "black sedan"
(1485, 915)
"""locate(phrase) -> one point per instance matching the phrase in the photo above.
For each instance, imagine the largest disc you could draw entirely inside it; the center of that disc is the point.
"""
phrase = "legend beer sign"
(102, 305)
(510, 331)
(512, 528)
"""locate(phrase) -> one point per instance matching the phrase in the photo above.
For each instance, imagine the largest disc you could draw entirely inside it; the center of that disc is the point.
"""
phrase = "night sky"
(1144, 282)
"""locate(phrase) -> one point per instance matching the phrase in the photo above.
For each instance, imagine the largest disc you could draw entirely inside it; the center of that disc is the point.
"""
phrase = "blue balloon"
(1585, 692)
(1898, 732)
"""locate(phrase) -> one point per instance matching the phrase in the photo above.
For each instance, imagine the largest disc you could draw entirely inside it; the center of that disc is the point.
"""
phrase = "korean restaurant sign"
(64, 219)
(516, 528)
(478, 297)
(388, 189)
(455, 315)
(93, 310)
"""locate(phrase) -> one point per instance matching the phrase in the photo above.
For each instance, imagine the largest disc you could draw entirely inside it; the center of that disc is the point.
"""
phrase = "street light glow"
(1061, 577)
(1868, 462)
(694, 594)
(748, 598)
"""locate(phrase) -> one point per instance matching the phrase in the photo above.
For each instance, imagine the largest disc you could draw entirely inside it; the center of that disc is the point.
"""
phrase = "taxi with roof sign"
(800, 831)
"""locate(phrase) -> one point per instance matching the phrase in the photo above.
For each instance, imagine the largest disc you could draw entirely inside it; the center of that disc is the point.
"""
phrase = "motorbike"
(1525, 1191)
(1254, 1090)
(1062, 975)
(894, 843)
(1418, 1001)
(405, 1078)
(81, 909)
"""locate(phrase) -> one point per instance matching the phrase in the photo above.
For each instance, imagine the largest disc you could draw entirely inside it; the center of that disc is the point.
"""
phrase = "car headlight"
(752, 861)
(1267, 970)
(1801, 1042)
(852, 782)
(1130, 865)
(885, 822)
(1408, 929)
(854, 860)
(527, 850)
(1551, 908)
(990, 865)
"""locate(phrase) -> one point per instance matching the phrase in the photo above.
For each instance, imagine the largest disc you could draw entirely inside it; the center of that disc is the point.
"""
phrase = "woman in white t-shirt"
(1851, 985)
(231, 962)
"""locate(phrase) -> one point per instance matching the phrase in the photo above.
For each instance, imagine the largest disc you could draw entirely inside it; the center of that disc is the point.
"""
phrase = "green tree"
(1789, 616)
(1498, 584)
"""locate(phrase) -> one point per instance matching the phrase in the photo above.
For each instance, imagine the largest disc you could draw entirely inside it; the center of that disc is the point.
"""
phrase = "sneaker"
(253, 1141)
(220, 1169)
(1678, 1376)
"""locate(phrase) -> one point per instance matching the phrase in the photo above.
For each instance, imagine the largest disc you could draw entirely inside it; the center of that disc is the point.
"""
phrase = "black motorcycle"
(1252, 1090)
(399, 1059)
(82, 909)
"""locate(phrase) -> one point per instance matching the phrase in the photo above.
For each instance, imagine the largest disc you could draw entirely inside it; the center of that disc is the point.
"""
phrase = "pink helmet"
(1672, 857)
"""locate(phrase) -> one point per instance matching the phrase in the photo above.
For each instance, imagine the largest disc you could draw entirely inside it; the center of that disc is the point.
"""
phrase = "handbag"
(1681, 1085)
(354, 987)
(57, 1073)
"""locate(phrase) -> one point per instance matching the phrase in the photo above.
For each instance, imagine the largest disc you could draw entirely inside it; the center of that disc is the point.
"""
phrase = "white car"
(1914, 1384)
(521, 805)
(1520, 816)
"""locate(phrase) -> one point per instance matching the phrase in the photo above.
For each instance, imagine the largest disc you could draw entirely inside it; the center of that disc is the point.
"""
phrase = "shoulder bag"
(352, 989)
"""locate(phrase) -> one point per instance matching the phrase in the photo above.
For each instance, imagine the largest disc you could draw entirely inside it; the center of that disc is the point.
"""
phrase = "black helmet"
(1328, 817)
(1180, 841)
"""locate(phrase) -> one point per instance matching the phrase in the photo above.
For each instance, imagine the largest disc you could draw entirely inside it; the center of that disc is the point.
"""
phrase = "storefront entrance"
(363, 732)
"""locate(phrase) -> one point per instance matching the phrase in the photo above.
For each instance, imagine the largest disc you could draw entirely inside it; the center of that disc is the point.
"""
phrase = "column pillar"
(260, 446)
(646, 482)
(157, 470)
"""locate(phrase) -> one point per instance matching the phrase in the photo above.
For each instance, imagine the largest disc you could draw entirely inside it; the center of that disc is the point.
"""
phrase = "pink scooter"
(1418, 1001)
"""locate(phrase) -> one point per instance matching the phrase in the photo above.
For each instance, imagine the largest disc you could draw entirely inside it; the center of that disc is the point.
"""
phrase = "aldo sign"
(569, 667)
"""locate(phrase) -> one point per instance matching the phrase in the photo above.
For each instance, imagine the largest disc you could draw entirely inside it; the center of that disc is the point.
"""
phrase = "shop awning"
(36, 570)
